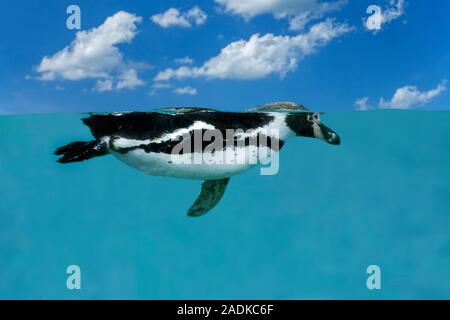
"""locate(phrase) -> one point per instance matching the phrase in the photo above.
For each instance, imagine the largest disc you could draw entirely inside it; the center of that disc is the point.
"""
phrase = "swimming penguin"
(164, 142)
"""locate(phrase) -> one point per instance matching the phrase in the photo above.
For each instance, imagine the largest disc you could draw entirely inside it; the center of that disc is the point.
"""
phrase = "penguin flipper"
(211, 193)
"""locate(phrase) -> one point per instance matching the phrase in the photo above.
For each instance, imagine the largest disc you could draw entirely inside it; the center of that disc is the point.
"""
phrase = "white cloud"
(159, 86)
(197, 16)
(260, 56)
(299, 21)
(129, 79)
(362, 104)
(103, 85)
(394, 10)
(184, 60)
(173, 17)
(185, 90)
(94, 54)
(298, 12)
(410, 96)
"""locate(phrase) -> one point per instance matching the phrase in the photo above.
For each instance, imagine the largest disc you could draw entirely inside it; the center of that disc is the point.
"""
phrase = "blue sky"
(241, 54)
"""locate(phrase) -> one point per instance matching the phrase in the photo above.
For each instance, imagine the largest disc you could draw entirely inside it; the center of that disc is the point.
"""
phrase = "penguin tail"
(81, 151)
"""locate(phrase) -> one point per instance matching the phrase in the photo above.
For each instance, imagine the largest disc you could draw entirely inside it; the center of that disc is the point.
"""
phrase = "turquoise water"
(382, 197)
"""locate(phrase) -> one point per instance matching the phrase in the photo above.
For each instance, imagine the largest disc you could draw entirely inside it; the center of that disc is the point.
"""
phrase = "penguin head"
(308, 124)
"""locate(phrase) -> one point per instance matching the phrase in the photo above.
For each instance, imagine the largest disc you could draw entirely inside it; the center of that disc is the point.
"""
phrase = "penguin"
(168, 141)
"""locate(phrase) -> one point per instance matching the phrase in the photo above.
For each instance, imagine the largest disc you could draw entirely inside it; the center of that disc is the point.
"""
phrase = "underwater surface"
(382, 197)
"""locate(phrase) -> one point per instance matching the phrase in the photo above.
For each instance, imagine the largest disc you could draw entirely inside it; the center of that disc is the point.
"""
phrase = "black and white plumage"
(147, 140)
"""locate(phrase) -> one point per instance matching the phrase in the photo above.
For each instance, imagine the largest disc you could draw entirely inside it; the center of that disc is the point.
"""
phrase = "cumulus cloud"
(394, 10)
(94, 54)
(409, 96)
(260, 56)
(129, 79)
(299, 13)
(103, 85)
(175, 18)
(161, 85)
(156, 86)
(185, 90)
(362, 104)
(184, 60)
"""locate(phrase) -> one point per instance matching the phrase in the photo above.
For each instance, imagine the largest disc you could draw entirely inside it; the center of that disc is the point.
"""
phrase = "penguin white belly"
(202, 166)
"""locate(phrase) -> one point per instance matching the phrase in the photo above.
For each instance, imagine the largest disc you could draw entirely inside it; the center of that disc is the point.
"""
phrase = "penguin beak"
(329, 135)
